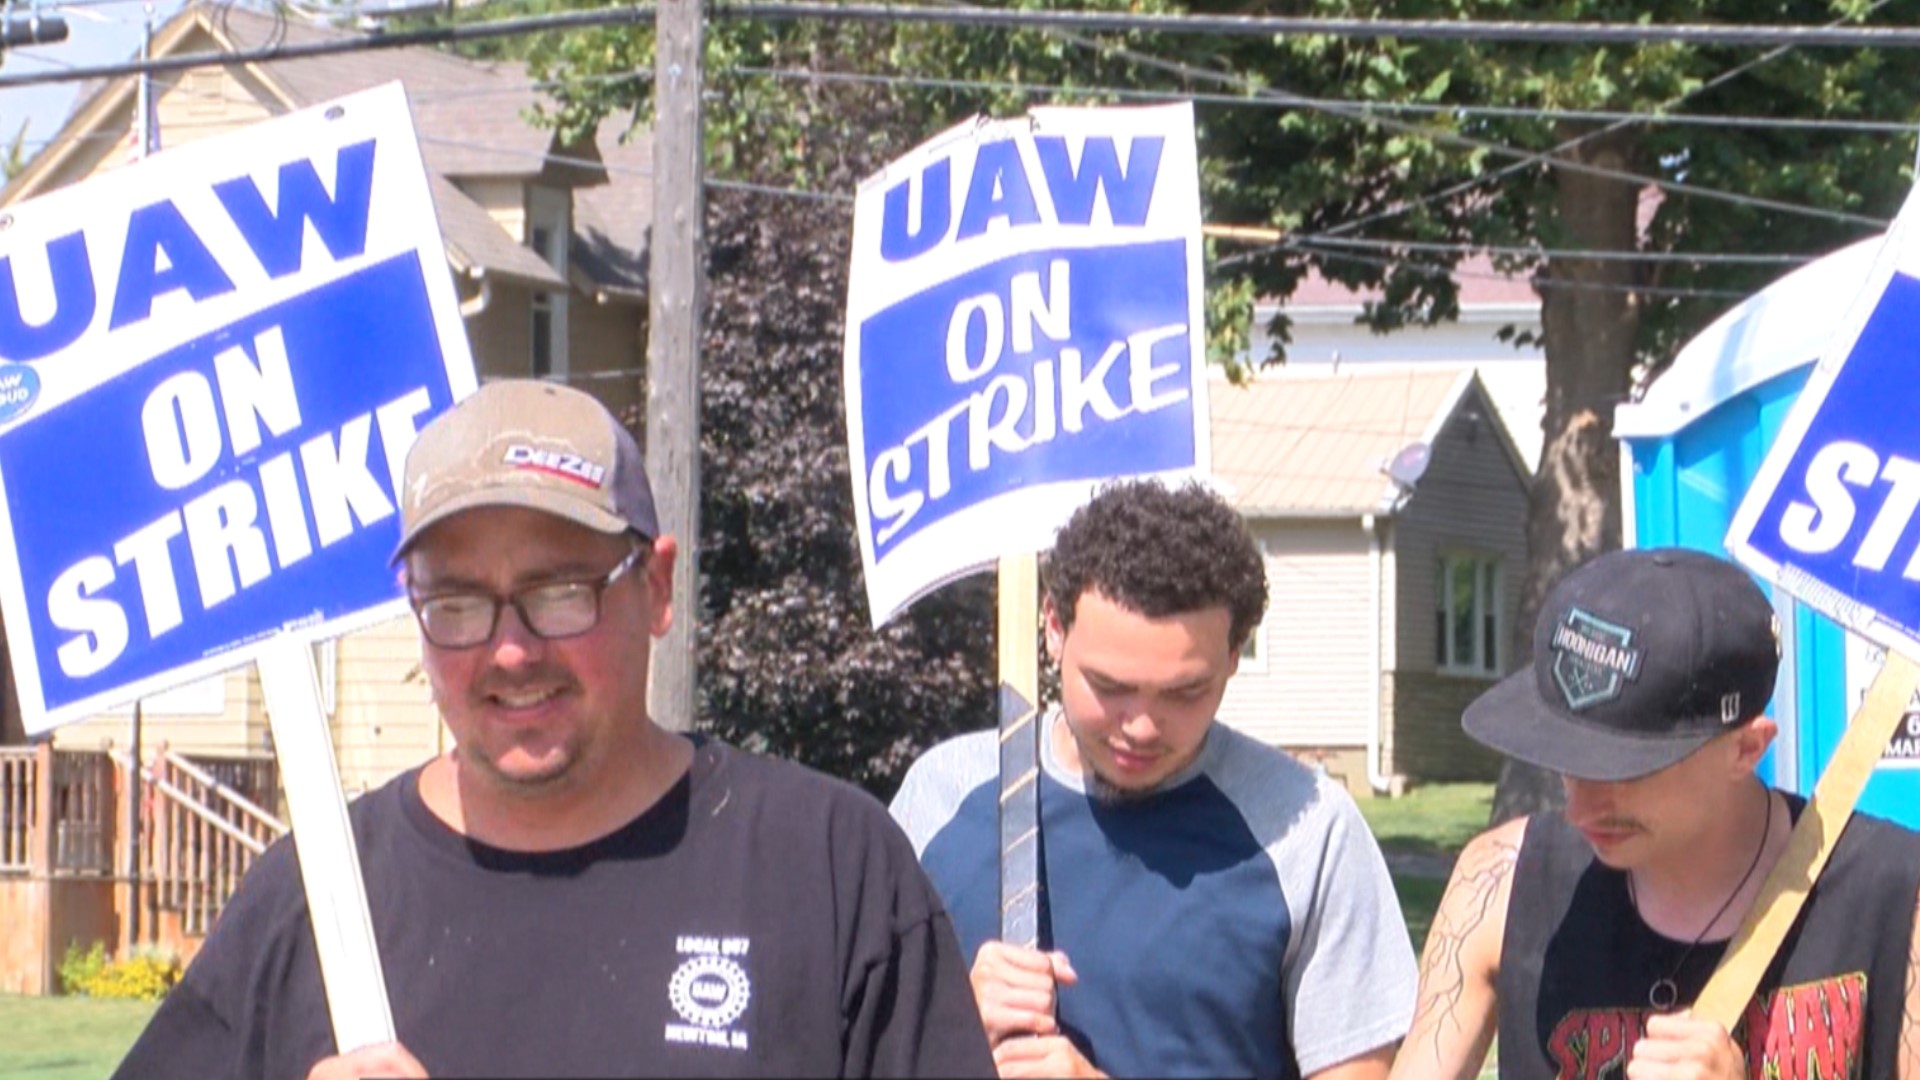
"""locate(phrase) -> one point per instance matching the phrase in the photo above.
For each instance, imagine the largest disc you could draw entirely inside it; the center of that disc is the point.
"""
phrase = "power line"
(1274, 93)
(642, 13)
(1540, 280)
(779, 192)
(1475, 182)
(1323, 104)
(1587, 254)
(442, 35)
(1564, 33)
(1881, 127)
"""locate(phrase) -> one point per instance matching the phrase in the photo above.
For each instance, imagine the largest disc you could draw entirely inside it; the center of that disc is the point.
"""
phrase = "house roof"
(474, 241)
(611, 222)
(471, 119)
(470, 114)
(1315, 443)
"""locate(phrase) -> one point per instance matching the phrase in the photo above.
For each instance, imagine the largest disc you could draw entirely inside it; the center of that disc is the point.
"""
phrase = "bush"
(78, 969)
(146, 975)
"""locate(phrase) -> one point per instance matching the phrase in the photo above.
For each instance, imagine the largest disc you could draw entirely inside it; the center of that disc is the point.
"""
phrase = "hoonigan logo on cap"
(1592, 660)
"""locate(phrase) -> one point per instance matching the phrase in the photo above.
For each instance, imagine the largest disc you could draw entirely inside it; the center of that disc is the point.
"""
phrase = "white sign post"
(212, 365)
(1024, 322)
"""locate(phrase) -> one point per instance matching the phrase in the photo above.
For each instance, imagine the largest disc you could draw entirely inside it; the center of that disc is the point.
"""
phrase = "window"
(547, 233)
(1253, 650)
(1466, 618)
(542, 349)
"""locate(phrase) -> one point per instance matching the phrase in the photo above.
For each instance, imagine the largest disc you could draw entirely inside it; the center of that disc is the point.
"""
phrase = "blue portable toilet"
(1689, 448)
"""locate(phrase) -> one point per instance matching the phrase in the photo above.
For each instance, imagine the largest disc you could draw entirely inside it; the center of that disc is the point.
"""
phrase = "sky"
(97, 33)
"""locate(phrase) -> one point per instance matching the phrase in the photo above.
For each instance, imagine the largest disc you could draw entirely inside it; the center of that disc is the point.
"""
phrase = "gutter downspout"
(473, 306)
(1379, 781)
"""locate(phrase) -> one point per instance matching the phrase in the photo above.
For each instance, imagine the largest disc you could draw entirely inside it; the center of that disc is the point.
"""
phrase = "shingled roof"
(1314, 443)
(472, 118)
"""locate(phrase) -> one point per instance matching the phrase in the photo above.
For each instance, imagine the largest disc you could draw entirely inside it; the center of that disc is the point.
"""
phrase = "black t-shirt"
(1577, 963)
(760, 920)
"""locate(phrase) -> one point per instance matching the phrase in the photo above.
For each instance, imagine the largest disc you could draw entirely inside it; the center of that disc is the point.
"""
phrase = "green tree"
(1447, 179)
(1313, 171)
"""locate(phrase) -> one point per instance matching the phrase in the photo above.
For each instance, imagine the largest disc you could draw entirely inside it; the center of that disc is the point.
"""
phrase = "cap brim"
(545, 500)
(1512, 719)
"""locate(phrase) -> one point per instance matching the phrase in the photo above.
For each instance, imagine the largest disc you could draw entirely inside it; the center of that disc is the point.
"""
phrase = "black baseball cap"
(1639, 658)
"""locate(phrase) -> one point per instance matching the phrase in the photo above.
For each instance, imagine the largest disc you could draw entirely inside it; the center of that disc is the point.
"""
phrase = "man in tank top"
(1582, 937)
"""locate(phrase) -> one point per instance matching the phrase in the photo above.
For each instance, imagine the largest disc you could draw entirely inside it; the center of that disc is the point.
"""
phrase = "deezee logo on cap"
(566, 466)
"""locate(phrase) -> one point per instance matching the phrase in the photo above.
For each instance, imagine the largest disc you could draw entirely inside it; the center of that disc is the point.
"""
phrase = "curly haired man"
(1210, 907)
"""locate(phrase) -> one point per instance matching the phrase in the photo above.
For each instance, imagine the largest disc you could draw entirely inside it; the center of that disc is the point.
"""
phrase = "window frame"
(548, 233)
(1489, 591)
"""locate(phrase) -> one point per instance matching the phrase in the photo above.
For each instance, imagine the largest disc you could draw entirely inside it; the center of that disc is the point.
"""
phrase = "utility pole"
(676, 288)
(144, 124)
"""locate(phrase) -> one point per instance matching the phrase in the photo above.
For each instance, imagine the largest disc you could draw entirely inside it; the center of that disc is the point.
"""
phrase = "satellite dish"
(1410, 464)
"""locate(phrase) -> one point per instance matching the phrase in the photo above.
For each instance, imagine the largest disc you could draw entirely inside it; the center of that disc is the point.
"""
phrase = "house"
(1390, 504)
(546, 244)
(1325, 331)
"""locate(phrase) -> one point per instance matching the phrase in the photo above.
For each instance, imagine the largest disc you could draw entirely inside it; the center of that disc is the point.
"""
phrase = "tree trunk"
(1590, 321)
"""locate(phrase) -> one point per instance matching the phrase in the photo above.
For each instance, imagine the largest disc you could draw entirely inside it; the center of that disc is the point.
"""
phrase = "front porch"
(83, 861)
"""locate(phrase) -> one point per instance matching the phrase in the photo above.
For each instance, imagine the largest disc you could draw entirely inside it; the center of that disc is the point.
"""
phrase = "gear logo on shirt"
(710, 991)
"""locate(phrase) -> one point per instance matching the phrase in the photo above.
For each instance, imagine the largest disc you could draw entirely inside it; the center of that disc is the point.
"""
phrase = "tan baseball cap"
(521, 442)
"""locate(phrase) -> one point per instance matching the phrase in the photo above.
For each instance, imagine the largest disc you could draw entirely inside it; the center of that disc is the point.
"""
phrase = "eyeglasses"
(551, 610)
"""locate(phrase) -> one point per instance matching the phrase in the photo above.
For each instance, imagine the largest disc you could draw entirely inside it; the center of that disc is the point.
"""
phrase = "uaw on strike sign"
(211, 368)
(1024, 321)
(1830, 515)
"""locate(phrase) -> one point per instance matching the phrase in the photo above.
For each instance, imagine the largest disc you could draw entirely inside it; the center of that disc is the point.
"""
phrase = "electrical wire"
(1274, 93)
(1474, 183)
(1563, 33)
(1878, 127)
(643, 13)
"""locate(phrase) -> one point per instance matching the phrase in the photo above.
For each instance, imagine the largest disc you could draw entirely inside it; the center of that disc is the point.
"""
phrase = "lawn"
(1427, 826)
(1437, 818)
(67, 1038)
(1431, 824)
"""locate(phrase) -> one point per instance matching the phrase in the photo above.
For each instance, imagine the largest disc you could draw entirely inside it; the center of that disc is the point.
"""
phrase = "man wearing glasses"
(574, 890)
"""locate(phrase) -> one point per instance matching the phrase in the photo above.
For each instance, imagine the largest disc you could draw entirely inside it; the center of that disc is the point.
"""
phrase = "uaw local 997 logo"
(710, 991)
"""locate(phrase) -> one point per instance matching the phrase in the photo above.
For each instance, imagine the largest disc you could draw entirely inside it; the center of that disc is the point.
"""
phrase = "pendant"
(1664, 995)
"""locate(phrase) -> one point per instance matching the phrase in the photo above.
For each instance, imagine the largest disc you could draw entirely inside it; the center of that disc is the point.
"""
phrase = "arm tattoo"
(1909, 1068)
(1478, 881)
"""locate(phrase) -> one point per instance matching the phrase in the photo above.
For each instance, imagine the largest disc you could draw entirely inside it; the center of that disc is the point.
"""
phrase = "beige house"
(1391, 506)
(546, 244)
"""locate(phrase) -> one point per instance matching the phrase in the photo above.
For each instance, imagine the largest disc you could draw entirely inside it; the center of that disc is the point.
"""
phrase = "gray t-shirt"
(1237, 921)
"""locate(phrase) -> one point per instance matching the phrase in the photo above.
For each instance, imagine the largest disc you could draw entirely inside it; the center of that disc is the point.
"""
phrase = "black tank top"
(1577, 963)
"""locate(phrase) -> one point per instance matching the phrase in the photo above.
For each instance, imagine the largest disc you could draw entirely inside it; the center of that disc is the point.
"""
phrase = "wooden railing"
(83, 802)
(203, 834)
(19, 776)
(74, 790)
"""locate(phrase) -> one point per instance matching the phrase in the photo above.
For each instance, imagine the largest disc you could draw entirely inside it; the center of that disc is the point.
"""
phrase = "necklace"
(1665, 992)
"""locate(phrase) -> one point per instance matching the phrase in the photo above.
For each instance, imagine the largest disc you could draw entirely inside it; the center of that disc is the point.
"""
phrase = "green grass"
(66, 1038)
(1419, 897)
(1438, 818)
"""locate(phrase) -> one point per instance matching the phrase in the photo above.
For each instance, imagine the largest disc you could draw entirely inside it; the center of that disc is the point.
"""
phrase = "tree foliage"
(1457, 177)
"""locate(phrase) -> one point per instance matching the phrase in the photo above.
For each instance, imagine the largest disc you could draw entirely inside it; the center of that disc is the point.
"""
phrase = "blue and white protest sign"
(212, 365)
(1830, 514)
(1023, 323)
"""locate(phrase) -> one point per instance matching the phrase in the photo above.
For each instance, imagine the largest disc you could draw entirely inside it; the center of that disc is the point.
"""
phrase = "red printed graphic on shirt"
(1813, 1031)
